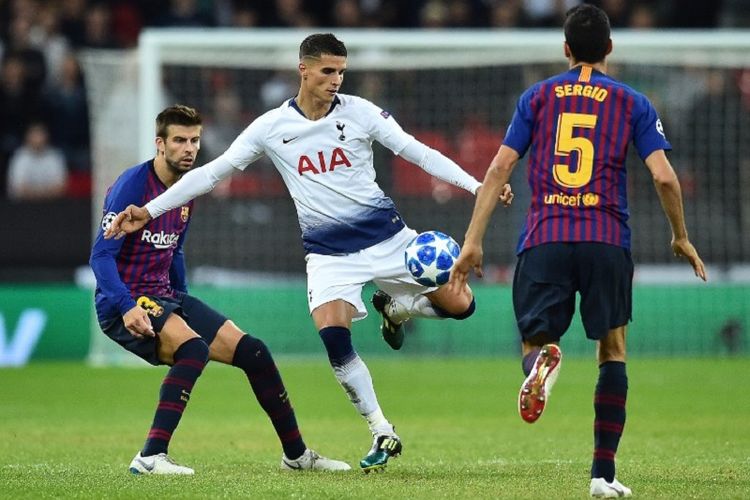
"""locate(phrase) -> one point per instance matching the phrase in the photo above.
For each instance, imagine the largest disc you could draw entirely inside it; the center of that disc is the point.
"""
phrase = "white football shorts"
(332, 277)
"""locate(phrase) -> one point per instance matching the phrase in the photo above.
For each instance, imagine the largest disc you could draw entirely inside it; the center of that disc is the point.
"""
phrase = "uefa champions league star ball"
(430, 256)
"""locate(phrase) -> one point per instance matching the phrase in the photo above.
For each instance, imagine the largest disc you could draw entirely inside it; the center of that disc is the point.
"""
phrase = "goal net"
(455, 91)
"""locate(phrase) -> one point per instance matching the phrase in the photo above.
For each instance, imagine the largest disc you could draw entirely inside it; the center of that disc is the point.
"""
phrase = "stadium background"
(62, 64)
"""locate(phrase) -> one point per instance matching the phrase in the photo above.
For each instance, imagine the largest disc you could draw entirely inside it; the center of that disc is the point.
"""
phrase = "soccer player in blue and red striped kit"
(142, 303)
(577, 127)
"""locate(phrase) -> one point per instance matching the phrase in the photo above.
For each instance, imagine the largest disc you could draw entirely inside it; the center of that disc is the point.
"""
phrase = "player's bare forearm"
(670, 195)
(671, 201)
(128, 221)
(668, 188)
(494, 188)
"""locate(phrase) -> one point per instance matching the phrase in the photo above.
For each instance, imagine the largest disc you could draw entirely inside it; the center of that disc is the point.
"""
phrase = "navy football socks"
(609, 410)
(338, 343)
(253, 357)
(189, 360)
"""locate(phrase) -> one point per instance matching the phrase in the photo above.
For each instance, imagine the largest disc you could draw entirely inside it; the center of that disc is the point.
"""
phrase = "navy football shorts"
(201, 318)
(548, 276)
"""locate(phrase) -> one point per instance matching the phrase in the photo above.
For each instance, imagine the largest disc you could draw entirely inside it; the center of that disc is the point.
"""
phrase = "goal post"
(277, 49)
(431, 80)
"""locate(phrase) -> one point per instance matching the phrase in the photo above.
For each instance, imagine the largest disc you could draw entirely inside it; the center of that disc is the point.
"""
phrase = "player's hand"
(506, 195)
(128, 221)
(469, 258)
(138, 323)
(684, 249)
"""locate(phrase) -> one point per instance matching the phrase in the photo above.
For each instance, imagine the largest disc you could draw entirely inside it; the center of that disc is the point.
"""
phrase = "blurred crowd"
(44, 118)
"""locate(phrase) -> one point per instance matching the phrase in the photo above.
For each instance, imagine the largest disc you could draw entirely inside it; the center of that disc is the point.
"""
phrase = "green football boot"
(384, 446)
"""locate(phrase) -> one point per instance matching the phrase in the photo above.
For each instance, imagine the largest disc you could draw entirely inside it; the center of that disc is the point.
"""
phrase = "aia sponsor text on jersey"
(336, 158)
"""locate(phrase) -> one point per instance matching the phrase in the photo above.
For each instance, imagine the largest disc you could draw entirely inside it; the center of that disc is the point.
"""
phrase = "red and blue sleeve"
(177, 269)
(104, 252)
(648, 131)
(521, 126)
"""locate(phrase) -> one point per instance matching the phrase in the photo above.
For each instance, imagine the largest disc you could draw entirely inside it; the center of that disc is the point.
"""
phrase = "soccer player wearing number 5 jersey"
(320, 142)
(576, 127)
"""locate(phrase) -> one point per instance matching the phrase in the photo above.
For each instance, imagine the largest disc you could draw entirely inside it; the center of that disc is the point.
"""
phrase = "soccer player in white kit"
(321, 143)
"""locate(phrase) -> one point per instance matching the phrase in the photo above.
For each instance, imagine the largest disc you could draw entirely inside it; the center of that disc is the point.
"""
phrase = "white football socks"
(355, 378)
(378, 423)
(421, 307)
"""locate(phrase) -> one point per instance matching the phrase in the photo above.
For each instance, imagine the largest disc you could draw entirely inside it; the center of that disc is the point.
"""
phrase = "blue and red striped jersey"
(577, 127)
(150, 261)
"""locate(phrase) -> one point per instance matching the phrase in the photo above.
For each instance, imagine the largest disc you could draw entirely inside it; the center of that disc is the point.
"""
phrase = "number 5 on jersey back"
(565, 143)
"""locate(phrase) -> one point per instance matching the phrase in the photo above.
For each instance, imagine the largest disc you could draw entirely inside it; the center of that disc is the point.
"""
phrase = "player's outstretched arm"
(670, 195)
(128, 221)
(492, 189)
(438, 165)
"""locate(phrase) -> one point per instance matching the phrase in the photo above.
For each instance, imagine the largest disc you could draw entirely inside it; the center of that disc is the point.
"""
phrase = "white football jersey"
(327, 165)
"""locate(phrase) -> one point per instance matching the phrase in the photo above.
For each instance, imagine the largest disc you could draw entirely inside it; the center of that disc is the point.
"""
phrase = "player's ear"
(159, 145)
(609, 47)
(566, 49)
(302, 69)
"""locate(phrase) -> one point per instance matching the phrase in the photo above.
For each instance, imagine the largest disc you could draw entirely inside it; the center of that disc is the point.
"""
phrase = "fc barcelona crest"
(185, 214)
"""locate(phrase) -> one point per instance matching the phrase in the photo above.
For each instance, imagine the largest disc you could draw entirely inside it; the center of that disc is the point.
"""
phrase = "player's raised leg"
(400, 297)
(544, 301)
(392, 319)
(541, 365)
(439, 304)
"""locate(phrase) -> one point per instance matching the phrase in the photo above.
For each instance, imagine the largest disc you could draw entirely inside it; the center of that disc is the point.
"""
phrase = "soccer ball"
(430, 256)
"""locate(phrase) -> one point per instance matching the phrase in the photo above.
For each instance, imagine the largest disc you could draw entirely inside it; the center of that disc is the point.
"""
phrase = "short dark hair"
(321, 43)
(178, 114)
(587, 33)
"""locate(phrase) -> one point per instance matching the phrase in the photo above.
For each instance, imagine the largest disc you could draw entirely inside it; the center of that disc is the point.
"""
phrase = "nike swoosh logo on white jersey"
(286, 141)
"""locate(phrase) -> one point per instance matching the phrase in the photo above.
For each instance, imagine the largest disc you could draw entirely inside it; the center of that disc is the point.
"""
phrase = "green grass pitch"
(70, 431)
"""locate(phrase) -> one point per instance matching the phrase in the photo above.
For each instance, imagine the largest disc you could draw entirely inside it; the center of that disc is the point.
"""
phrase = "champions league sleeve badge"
(107, 220)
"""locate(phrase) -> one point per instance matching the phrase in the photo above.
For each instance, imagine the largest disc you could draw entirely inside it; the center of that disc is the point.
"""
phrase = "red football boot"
(536, 388)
